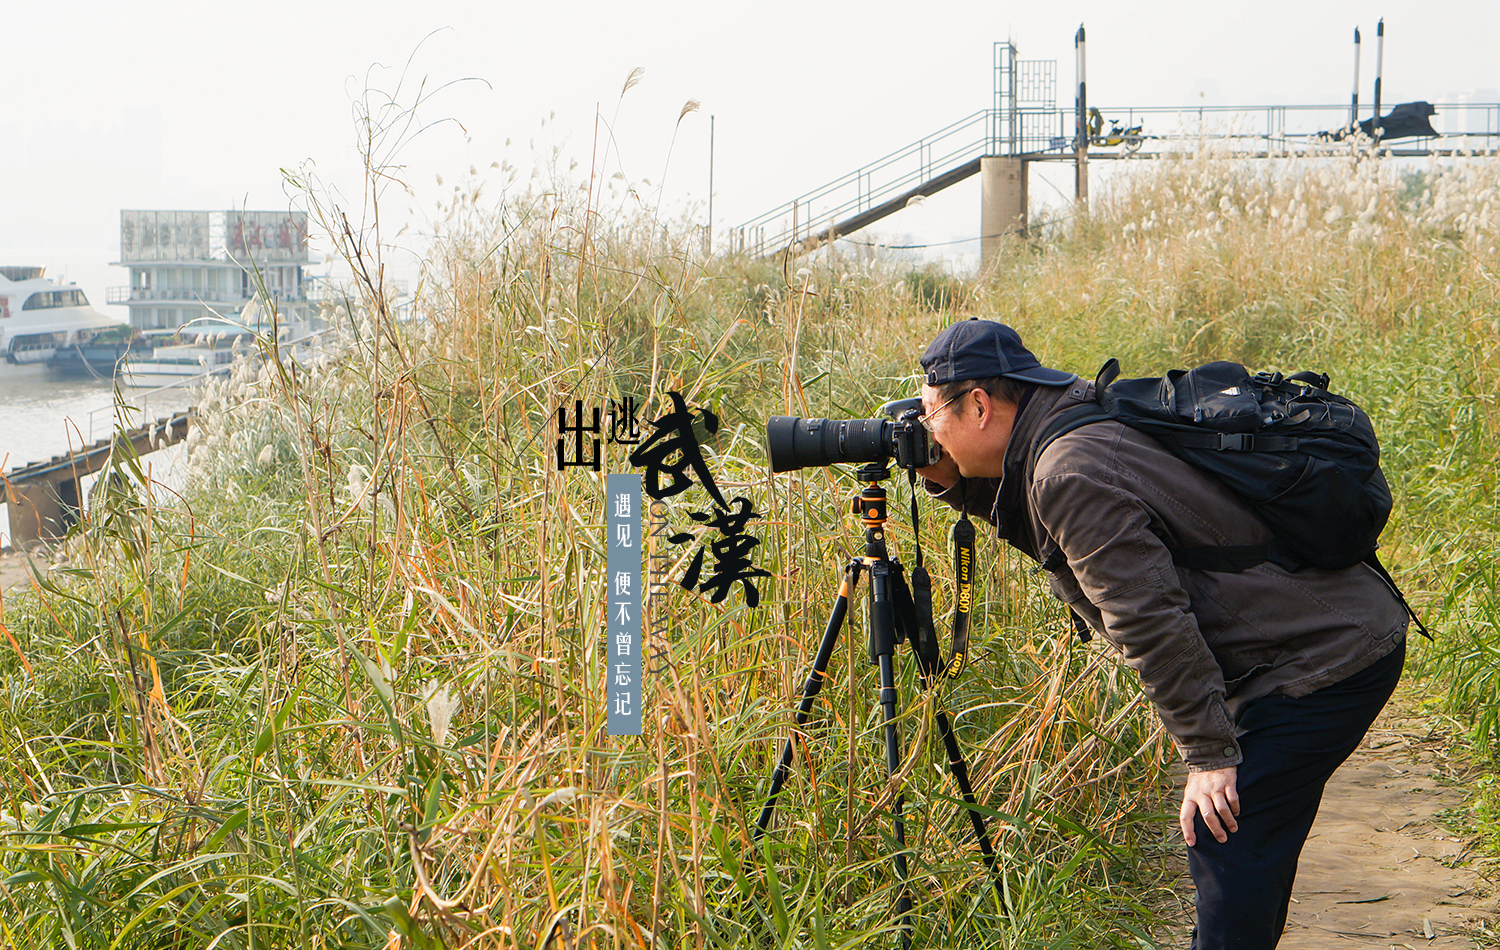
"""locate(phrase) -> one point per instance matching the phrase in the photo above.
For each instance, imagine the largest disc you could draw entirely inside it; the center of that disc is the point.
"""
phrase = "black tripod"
(894, 615)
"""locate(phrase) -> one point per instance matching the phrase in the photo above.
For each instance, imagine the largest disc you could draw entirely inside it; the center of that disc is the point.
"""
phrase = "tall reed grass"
(346, 688)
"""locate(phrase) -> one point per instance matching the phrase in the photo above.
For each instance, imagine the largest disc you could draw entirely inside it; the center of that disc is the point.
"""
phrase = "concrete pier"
(1002, 213)
(45, 497)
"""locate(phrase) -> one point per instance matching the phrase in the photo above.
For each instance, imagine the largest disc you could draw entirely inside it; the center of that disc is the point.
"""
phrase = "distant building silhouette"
(1472, 118)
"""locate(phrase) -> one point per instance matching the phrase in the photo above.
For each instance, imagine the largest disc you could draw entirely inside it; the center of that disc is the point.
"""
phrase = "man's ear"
(984, 405)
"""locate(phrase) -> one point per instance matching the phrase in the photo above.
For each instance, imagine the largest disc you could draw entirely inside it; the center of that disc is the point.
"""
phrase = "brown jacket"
(1100, 511)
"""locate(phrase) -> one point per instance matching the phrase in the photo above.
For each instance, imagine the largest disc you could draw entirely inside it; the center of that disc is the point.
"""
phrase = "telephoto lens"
(795, 443)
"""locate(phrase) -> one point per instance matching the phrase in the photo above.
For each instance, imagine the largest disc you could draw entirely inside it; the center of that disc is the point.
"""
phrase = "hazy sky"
(158, 104)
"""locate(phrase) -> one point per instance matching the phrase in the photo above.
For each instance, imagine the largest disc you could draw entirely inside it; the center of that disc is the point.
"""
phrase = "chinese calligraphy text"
(622, 592)
(668, 456)
(673, 462)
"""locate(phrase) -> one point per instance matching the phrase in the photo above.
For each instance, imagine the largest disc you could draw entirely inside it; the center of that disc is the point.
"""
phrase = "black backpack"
(1304, 459)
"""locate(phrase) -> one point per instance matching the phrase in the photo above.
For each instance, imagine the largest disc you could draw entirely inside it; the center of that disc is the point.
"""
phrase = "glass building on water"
(189, 265)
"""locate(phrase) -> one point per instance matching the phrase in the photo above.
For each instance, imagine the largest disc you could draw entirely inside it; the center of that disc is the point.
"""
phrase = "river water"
(43, 416)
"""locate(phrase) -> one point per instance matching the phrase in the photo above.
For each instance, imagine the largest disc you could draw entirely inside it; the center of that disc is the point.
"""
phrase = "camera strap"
(923, 634)
(963, 584)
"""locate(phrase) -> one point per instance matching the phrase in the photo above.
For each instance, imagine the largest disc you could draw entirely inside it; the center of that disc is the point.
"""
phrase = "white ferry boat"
(40, 318)
(202, 348)
(211, 347)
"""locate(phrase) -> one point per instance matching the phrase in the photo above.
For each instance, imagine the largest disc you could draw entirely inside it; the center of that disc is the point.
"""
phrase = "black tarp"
(1403, 122)
(1407, 120)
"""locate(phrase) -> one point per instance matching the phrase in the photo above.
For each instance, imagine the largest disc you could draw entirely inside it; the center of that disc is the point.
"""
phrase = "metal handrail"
(189, 295)
(817, 211)
(812, 211)
(144, 402)
(885, 161)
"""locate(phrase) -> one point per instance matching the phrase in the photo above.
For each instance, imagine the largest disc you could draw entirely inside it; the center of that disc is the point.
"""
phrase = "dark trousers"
(1290, 748)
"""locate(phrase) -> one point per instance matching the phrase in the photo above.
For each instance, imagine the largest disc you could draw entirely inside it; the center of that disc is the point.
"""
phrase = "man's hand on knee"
(1211, 794)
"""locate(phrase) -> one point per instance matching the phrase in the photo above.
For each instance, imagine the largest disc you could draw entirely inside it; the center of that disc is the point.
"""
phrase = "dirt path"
(13, 571)
(1381, 869)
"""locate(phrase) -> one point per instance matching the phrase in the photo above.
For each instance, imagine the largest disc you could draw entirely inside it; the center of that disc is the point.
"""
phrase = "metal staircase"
(1024, 119)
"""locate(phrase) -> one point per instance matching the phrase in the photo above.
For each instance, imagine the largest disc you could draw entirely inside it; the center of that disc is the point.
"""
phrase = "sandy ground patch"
(13, 572)
(1381, 868)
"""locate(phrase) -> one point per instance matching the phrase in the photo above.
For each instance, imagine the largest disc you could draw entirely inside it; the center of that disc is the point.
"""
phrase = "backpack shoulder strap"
(1080, 415)
(1066, 421)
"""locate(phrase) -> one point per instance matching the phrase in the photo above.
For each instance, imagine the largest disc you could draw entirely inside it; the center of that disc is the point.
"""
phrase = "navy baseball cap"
(981, 349)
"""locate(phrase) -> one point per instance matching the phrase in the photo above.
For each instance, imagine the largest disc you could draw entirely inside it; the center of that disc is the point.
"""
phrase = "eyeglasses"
(926, 418)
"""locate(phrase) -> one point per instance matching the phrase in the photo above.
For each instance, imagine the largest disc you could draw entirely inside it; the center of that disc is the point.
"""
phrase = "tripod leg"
(960, 770)
(910, 614)
(882, 651)
(810, 691)
(892, 766)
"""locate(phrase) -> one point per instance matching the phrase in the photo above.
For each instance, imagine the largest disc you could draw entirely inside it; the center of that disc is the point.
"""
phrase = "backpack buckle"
(1236, 442)
(1315, 380)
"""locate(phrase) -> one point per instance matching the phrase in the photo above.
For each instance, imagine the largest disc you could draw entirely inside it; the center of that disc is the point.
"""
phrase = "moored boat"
(211, 347)
(39, 319)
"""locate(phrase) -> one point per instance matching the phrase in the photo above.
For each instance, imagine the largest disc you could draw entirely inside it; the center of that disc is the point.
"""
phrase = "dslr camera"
(793, 442)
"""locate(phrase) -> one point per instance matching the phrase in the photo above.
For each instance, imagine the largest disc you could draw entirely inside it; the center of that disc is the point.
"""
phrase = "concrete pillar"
(1002, 213)
(37, 514)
